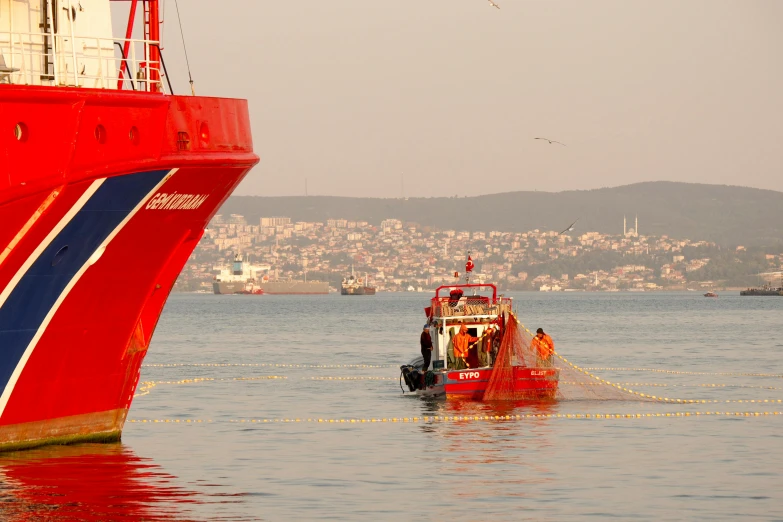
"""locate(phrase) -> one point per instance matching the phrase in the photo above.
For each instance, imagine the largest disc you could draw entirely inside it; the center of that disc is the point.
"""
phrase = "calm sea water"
(650, 468)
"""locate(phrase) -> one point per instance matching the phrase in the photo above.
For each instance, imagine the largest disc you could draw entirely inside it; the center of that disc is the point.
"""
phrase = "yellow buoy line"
(669, 385)
(657, 398)
(589, 368)
(384, 378)
(677, 372)
(623, 388)
(469, 418)
(146, 386)
(651, 384)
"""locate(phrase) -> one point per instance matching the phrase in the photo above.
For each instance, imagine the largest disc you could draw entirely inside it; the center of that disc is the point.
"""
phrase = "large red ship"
(105, 174)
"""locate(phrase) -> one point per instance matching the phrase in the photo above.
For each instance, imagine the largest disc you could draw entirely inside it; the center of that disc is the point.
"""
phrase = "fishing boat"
(490, 320)
(106, 176)
(710, 294)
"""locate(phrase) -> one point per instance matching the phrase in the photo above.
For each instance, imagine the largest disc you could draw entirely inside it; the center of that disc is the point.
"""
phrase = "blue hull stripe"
(27, 306)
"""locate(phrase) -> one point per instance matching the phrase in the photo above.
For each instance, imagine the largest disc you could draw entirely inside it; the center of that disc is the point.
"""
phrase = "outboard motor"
(412, 377)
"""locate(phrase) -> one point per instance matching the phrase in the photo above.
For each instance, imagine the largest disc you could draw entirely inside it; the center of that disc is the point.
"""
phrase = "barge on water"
(767, 289)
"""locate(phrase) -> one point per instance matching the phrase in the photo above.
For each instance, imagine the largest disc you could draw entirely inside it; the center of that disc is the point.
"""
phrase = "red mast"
(152, 33)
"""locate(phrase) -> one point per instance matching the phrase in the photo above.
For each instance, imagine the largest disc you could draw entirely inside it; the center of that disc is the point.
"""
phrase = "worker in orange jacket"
(462, 343)
(544, 347)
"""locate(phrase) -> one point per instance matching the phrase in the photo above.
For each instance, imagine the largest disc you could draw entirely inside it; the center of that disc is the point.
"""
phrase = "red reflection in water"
(87, 482)
(463, 407)
(504, 459)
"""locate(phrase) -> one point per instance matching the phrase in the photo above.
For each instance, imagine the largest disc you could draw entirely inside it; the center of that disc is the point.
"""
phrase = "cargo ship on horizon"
(244, 278)
(105, 171)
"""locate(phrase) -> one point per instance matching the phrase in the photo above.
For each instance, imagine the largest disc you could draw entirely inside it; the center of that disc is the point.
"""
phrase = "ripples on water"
(706, 467)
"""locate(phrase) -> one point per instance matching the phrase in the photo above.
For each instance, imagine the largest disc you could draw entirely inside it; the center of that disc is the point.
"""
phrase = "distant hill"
(727, 215)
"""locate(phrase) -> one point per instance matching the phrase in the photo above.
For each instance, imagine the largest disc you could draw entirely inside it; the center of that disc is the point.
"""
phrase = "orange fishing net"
(574, 383)
(513, 351)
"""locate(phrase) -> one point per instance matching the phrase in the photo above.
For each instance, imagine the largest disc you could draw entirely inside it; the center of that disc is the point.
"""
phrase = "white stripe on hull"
(9, 388)
(49, 238)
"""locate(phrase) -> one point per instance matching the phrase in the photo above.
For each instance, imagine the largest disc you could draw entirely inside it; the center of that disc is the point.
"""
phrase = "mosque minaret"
(634, 232)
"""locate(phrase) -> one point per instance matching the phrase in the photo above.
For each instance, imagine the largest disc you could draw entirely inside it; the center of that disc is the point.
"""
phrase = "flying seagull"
(551, 141)
(570, 228)
(493, 4)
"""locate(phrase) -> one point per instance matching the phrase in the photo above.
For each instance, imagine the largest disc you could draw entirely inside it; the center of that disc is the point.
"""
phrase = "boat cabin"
(475, 306)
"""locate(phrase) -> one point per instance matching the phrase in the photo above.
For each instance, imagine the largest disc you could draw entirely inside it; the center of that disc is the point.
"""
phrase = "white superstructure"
(241, 271)
(70, 43)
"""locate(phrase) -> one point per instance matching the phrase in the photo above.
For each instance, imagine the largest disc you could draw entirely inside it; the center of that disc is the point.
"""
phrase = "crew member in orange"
(461, 347)
(544, 347)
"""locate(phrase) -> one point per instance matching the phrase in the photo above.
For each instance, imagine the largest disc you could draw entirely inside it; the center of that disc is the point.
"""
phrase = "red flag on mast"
(469, 265)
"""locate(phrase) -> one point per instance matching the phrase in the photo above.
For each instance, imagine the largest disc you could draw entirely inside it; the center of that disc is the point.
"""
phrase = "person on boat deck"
(497, 338)
(485, 348)
(450, 349)
(462, 346)
(426, 347)
(544, 347)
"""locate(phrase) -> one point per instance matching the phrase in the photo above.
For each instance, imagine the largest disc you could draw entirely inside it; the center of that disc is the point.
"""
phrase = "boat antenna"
(185, 48)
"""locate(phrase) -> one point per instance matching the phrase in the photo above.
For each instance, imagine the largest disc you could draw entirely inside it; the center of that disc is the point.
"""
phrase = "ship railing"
(77, 61)
(467, 307)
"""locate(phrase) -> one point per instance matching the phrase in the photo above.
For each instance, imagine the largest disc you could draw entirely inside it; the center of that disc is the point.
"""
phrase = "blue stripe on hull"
(37, 291)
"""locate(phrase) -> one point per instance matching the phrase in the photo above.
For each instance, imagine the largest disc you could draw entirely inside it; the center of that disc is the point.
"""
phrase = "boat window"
(21, 132)
(100, 134)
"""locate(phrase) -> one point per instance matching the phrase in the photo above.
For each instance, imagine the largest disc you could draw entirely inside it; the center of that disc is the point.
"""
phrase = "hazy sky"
(355, 95)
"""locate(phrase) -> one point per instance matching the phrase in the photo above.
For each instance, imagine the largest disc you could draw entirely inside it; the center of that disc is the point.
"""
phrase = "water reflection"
(468, 407)
(88, 482)
(493, 460)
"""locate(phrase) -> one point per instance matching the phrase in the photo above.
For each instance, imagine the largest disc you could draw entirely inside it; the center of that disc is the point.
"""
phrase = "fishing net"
(513, 349)
(572, 382)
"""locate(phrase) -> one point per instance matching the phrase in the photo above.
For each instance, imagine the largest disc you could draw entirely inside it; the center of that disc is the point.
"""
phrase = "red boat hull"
(529, 383)
(104, 200)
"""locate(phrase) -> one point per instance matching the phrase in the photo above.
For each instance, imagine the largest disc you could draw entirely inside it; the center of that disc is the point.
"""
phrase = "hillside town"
(397, 256)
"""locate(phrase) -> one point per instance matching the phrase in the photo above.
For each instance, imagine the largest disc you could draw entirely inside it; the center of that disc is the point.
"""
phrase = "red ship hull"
(98, 185)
